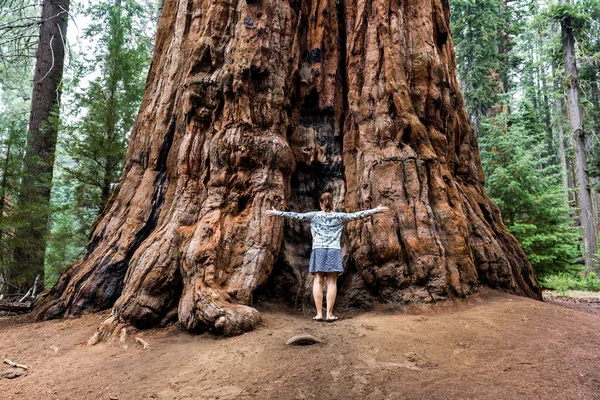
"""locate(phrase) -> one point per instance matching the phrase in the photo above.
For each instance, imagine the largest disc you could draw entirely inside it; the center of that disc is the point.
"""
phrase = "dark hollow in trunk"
(251, 105)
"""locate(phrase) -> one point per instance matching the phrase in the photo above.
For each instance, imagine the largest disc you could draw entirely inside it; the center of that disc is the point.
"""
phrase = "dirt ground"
(494, 346)
(583, 301)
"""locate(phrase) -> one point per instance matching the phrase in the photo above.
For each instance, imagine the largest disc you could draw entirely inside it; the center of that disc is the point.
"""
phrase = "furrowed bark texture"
(590, 235)
(255, 104)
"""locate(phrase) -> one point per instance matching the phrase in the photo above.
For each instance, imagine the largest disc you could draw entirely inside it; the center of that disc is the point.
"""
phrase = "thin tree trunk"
(561, 149)
(595, 100)
(36, 183)
(574, 197)
(547, 118)
(562, 152)
(591, 143)
(504, 50)
(4, 183)
(579, 142)
(111, 115)
(3, 189)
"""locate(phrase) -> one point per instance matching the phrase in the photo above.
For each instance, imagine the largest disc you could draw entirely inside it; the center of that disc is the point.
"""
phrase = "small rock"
(303, 340)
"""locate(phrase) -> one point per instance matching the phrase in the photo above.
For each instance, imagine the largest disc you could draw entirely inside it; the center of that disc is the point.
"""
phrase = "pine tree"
(477, 28)
(94, 145)
(528, 189)
(572, 18)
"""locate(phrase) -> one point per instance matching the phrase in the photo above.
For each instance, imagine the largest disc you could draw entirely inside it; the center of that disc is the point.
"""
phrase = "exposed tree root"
(15, 306)
(15, 365)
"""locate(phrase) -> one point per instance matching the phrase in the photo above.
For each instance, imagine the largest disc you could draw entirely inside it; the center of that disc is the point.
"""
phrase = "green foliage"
(15, 93)
(563, 282)
(93, 142)
(19, 35)
(573, 13)
(64, 244)
(527, 189)
(477, 27)
(594, 163)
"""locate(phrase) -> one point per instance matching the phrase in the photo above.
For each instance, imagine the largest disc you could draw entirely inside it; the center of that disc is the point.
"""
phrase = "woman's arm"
(291, 215)
(345, 217)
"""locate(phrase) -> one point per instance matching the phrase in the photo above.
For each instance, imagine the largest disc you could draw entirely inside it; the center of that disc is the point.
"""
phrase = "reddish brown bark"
(254, 104)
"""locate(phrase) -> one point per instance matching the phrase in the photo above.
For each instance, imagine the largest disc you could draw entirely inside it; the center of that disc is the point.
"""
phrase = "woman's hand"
(271, 212)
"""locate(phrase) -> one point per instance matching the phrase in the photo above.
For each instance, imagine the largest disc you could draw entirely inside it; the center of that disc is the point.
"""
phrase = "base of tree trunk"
(254, 105)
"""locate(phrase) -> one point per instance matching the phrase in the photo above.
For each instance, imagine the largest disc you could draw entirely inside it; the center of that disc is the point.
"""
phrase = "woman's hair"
(326, 202)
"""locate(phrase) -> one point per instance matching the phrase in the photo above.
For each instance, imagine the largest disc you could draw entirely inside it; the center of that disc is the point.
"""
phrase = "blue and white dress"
(326, 229)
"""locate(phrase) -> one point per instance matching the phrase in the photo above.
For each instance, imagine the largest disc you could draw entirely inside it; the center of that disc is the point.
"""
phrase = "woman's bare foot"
(331, 318)
(318, 317)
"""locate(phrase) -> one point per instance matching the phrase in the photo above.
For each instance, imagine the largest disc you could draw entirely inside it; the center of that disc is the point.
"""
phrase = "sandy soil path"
(494, 346)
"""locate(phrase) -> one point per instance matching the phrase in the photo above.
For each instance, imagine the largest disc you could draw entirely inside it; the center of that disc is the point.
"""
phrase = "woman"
(326, 256)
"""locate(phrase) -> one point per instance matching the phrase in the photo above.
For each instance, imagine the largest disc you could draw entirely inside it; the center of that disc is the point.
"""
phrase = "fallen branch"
(32, 291)
(36, 284)
(27, 295)
(14, 306)
(143, 343)
(15, 365)
(12, 374)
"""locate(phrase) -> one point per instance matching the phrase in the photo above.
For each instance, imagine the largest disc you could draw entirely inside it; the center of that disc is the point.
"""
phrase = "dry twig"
(143, 343)
(15, 365)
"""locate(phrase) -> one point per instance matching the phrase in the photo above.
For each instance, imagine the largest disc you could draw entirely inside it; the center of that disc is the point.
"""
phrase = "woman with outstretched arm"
(326, 256)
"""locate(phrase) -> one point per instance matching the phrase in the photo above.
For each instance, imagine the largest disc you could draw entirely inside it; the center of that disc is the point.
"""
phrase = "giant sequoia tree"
(262, 103)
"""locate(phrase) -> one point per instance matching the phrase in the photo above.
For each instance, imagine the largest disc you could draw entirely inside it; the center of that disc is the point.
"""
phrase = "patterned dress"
(326, 229)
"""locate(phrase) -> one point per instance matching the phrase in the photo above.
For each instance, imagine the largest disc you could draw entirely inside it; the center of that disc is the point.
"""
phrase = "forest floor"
(492, 346)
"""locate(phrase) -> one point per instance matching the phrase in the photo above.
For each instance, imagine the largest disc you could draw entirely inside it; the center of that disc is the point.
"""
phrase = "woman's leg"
(318, 293)
(331, 293)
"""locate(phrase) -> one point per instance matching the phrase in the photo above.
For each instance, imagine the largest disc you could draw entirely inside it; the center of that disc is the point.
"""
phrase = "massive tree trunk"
(255, 104)
(590, 240)
(36, 183)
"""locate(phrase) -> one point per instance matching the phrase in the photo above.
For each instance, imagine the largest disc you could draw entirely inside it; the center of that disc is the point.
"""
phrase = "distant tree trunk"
(36, 184)
(3, 190)
(255, 104)
(595, 101)
(4, 183)
(558, 120)
(547, 120)
(561, 148)
(585, 199)
(504, 50)
(574, 194)
(112, 118)
(591, 143)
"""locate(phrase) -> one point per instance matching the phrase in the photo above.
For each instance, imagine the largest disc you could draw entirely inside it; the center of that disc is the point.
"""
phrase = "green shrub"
(592, 283)
(563, 282)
